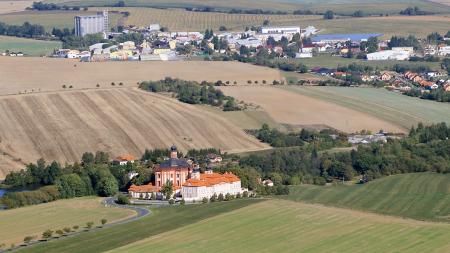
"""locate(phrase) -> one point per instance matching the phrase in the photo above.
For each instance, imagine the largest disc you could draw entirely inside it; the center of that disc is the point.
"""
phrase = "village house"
(123, 160)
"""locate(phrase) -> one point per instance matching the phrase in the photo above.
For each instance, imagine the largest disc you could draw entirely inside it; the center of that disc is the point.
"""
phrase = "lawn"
(390, 106)
(28, 46)
(161, 220)
(422, 196)
(286, 226)
(33, 220)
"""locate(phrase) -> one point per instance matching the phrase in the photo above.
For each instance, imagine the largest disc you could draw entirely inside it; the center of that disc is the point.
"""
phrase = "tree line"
(25, 30)
(426, 148)
(192, 92)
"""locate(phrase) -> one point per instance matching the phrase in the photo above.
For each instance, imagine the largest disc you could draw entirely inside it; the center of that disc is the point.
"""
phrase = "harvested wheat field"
(46, 74)
(292, 108)
(14, 6)
(61, 126)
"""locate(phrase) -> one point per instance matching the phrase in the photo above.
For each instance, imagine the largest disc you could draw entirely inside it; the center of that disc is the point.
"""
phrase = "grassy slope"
(33, 220)
(423, 196)
(160, 221)
(396, 108)
(28, 46)
(285, 226)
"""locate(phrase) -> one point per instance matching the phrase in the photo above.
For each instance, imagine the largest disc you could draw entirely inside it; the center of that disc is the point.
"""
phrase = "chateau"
(187, 181)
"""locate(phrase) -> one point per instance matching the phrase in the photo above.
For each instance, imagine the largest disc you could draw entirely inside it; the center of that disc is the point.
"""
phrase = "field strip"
(286, 226)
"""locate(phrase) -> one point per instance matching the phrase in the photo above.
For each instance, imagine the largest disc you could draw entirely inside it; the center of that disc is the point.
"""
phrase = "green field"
(159, 221)
(422, 196)
(33, 220)
(285, 226)
(28, 46)
(393, 107)
(339, 6)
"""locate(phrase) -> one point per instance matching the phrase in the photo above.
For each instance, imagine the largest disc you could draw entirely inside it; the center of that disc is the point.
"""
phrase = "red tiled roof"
(125, 158)
(143, 188)
(212, 179)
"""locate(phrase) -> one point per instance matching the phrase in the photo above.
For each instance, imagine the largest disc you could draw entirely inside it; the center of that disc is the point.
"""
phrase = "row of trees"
(192, 92)
(427, 148)
(40, 6)
(26, 30)
(438, 94)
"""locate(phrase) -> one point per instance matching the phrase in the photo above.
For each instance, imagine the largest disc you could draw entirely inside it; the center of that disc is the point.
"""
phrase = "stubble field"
(296, 109)
(45, 74)
(14, 6)
(61, 126)
(34, 220)
(398, 109)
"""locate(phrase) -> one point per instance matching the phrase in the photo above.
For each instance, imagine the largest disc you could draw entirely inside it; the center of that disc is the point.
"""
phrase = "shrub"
(122, 199)
(98, 85)
(120, 84)
(89, 224)
(47, 234)
(205, 200)
(113, 84)
(67, 230)
(249, 81)
(64, 86)
(171, 201)
(70, 87)
(104, 221)
(245, 194)
(76, 227)
(27, 239)
(59, 232)
(228, 197)
(220, 198)
(238, 195)
(182, 202)
(213, 198)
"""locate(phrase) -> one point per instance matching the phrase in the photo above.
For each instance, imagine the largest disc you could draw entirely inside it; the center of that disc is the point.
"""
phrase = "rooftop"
(212, 179)
(352, 37)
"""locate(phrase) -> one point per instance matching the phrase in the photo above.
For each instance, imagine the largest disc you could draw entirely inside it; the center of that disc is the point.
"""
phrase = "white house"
(205, 185)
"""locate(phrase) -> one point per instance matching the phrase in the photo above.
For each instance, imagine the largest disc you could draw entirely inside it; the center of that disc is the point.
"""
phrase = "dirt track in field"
(62, 125)
(291, 108)
(47, 74)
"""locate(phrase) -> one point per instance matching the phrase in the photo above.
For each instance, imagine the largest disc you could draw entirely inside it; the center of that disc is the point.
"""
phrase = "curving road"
(141, 211)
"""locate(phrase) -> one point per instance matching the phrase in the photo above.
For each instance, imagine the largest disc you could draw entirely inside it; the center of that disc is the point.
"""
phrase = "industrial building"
(91, 24)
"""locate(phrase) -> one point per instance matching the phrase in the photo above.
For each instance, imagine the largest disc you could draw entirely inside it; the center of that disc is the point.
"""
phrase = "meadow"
(286, 226)
(392, 107)
(294, 108)
(33, 220)
(421, 196)
(159, 221)
(28, 46)
(339, 6)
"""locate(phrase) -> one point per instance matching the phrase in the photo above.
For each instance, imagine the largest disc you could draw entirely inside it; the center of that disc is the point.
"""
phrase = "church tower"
(173, 152)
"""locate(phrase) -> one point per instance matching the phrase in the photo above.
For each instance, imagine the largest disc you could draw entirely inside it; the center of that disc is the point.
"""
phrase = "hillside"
(61, 126)
(284, 226)
(392, 107)
(422, 196)
(297, 109)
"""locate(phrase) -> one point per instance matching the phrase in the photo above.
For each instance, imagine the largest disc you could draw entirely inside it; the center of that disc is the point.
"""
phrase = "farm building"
(398, 55)
(124, 160)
